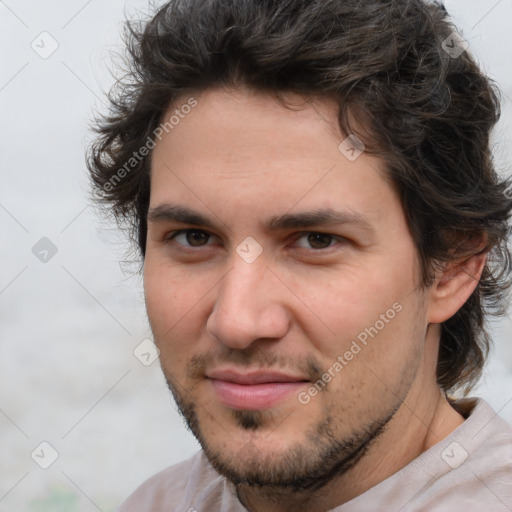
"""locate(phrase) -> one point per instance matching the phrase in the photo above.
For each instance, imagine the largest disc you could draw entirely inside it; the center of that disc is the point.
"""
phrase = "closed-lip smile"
(253, 390)
(254, 377)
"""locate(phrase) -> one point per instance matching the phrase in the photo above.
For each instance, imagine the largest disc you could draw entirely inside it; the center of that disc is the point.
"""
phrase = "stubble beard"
(307, 466)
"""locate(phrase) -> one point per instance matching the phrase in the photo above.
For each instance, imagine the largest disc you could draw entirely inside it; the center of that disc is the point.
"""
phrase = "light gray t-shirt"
(469, 471)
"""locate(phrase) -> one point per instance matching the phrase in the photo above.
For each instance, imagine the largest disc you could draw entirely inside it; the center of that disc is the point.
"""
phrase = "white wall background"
(68, 327)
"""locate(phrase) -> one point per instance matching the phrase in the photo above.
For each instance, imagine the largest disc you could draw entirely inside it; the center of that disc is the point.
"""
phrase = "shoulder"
(178, 487)
(487, 435)
(474, 464)
(487, 445)
(470, 470)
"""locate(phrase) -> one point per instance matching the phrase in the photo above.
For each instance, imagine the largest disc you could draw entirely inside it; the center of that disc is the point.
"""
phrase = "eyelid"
(295, 237)
(169, 237)
(335, 238)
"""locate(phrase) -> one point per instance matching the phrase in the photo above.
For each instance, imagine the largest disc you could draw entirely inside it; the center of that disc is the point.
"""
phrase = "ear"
(454, 285)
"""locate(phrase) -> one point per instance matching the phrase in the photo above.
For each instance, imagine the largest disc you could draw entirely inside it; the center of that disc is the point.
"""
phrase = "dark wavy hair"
(427, 111)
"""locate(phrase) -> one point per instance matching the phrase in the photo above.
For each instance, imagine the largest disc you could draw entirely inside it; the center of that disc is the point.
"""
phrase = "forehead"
(239, 147)
(236, 124)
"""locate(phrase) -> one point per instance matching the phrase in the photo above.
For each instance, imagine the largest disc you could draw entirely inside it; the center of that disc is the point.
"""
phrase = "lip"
(254, 377)
(257, 390)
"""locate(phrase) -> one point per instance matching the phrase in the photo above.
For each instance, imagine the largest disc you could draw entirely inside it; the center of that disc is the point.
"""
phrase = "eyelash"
(171, 237)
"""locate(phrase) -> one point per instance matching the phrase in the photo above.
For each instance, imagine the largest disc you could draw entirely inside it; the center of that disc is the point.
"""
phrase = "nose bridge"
(247, 306)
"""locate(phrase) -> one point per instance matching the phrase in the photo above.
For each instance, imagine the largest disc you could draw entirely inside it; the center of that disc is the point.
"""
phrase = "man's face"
(288, 342)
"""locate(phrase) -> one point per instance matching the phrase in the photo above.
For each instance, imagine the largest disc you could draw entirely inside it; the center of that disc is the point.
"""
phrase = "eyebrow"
(321, 217)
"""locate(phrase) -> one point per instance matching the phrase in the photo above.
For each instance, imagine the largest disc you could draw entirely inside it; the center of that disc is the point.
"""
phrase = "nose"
(248, 306)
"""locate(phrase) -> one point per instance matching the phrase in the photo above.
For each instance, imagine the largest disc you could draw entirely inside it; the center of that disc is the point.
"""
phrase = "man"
(323, 234)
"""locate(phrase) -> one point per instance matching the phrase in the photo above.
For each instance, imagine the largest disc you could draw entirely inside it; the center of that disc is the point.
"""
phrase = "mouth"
(253, 391)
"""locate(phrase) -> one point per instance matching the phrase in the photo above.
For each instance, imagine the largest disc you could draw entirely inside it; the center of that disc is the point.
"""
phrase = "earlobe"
(453, 287)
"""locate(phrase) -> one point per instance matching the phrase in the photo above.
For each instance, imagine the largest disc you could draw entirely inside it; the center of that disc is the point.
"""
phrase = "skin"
(240, 158)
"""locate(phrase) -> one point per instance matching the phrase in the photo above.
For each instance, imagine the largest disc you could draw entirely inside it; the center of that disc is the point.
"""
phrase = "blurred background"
(84, 415)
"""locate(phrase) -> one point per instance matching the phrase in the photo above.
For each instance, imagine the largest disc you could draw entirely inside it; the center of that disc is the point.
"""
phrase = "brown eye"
(197, 238)
(319, 240)
(316, 241)
(191, 237)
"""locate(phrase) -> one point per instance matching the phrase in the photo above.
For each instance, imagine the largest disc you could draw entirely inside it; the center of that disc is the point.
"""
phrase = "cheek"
(172, 321)
(172, 302)
(348, 302)
(373, 306)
